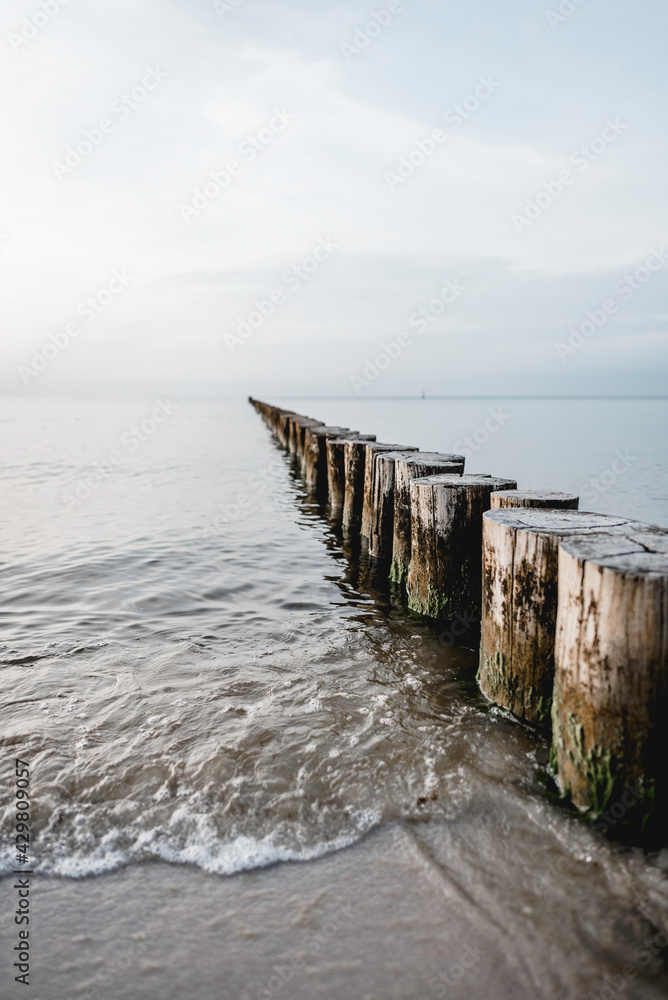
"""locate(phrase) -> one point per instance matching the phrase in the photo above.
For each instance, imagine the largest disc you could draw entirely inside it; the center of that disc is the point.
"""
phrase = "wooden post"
(414, 466)
(534, 498)
(336, 467)
(354, 459)
(296, 433)
(611, 673)
(445, 575)
(382, 514)
(308, 449)
(271, 417)
(283, 427)
(292, 423)
(519, 603)
(369, 472)
(277, 415)
(314, 462)
(301, 438)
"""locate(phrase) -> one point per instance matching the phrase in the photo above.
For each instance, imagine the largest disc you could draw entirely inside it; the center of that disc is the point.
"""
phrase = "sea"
(200, 668)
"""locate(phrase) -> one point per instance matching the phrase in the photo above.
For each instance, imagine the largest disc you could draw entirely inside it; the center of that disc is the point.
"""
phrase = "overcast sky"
(518, 222)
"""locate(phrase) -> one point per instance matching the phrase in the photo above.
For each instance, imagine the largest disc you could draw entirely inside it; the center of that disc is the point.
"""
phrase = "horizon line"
(485, 396)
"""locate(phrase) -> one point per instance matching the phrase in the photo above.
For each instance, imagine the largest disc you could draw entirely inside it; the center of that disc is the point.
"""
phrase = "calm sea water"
(197, 671)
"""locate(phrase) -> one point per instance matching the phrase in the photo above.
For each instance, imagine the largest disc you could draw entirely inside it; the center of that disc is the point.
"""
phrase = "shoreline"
(393, 916)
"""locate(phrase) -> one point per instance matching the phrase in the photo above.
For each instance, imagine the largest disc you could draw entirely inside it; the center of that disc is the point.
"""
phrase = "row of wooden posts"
(573, 605)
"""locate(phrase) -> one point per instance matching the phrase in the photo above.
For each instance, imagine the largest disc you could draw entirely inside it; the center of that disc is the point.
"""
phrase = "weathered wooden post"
(414, 466)
(354, 459)
(300, 427)
(271, 417)
(445, 575)
(280, 426)
(382, 512)
(314, 462)
(283, 427)
(336, 467)
(611, 672)
(277, 418)
(546, 499)
(292, 421)
(369, 473)
(519, 603)
(296, 432)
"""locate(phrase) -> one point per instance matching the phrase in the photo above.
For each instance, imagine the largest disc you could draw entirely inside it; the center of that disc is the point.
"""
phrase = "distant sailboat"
(423, 394)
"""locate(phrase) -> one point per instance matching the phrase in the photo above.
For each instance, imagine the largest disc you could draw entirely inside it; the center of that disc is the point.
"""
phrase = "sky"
(337, 198)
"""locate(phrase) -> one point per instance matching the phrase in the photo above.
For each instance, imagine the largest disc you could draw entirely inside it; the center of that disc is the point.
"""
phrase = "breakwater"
(573, 605)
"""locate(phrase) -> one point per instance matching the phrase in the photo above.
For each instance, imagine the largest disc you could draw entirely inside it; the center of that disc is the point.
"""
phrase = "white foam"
(204, 849)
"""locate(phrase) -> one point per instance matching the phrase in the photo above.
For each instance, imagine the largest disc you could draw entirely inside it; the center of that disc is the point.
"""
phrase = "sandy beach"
(388, 919)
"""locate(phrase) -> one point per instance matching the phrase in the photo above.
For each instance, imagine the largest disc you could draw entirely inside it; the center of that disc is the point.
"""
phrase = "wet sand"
(387, 919)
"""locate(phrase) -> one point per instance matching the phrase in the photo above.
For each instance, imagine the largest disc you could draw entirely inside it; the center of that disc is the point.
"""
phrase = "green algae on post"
(519, 602)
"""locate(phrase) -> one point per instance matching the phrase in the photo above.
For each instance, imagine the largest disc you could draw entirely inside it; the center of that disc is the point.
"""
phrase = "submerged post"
(519, 603)
(354, 459)
(283, 427)
(369, 485)
(382, 511)
(445, 575)
(611, 672)
(299, 434)
(407, 467)
(296, 423)
(314, 461)
(336, 467)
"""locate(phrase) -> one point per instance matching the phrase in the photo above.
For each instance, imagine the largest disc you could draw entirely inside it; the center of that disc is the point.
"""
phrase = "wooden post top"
(381, 446)
(634, 548)
(467, 481)
(322, 430)
(534, 498)
(393, 456)
(435, 458)
(546, 521)
(354, 436)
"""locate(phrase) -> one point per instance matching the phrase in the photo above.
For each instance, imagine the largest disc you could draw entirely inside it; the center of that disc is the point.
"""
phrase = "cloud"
(325, 176)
